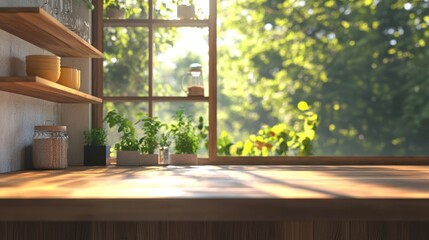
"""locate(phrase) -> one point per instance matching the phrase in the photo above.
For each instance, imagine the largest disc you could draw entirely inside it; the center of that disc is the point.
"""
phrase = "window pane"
(125, 61)
(128, 110)
(126, 9)
(361, 66)
(167, 9)
(166, 111)
(173, 56)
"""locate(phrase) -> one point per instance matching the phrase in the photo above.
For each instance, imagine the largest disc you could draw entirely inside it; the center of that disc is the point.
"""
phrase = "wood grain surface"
(212, 193)
(36, 26)
(44, 89)
(255, 230)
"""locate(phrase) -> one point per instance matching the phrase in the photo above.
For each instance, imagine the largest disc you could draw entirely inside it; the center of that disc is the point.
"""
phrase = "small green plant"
(128, 140)
(185, 136)
(96, 137)
(151, 127)
(165, 140)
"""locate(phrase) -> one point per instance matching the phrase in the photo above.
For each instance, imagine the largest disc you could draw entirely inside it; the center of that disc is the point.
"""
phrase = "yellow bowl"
(70, 77)
(51, 75)
(78, 79)
(44, 67)
(42, 63)
(53, 68)
(42, 57)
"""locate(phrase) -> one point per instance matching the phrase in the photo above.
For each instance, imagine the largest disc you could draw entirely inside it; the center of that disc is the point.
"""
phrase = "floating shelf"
(44, 89)
(36, 26)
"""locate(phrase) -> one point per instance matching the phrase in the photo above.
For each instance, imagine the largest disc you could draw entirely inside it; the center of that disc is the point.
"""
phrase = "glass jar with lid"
(194, 81)
(49, 148)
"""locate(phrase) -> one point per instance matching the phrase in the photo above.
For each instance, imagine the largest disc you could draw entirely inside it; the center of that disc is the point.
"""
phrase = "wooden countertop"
(217, 193)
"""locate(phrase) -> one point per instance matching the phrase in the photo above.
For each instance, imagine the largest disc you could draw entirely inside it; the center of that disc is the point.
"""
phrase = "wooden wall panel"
(419, 230)
(45, 230)
(290, 230)
(394, 230)
(358, 230)
(332, 230)
(298, 230)
(247, 230)
(2, 230)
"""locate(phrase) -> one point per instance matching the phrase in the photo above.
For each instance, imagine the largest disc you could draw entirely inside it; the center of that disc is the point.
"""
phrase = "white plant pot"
(149, 159)
(183, 159)
(128, 158)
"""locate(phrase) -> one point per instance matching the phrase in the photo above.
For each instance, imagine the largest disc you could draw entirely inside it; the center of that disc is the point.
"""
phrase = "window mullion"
(150, 41)
(212, 83)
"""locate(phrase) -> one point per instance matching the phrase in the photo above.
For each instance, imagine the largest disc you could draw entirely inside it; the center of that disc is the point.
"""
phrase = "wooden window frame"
(213, 159)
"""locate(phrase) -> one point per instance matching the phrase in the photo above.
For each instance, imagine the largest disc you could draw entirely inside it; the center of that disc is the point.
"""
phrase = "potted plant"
(149, 142)
(186, 139)
(164, 151)
(114, 9)
(128, 146)
(96, 151)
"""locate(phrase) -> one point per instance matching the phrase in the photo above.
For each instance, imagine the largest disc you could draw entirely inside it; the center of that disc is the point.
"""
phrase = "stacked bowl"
(45, 66)
(70, 77)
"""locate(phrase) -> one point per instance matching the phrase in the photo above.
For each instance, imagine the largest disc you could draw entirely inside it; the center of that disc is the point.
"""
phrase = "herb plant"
(185, 136)
(165, 141)
(128, 140)
(96, 137)
(151, 127)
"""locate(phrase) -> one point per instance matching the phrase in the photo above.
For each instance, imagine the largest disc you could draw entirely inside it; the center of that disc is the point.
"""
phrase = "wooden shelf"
(44, 89)
(36, 26)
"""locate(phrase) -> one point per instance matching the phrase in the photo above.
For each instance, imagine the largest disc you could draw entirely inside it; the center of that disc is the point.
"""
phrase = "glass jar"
(50, 145)
(194, 81)
(163, 156)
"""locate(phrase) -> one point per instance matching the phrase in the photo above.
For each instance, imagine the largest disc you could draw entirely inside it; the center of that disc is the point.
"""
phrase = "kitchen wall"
(19, 114)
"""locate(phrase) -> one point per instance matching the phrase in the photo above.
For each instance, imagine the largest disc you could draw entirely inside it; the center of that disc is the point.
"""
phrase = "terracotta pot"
(183, 159)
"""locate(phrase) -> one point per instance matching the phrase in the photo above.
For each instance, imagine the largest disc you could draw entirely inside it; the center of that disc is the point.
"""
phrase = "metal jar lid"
(51, 128)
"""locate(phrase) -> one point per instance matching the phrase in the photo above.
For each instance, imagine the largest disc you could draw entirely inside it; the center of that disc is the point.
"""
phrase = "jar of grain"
(50, 145)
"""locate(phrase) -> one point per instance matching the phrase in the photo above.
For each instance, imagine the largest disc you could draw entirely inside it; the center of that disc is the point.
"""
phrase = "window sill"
(318, 160)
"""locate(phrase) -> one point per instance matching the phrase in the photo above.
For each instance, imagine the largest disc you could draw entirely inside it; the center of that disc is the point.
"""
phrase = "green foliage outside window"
(278, 140)
(361, 65)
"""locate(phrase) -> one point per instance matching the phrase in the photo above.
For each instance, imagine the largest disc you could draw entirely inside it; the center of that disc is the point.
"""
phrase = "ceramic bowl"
(70, 77)
(51, 75)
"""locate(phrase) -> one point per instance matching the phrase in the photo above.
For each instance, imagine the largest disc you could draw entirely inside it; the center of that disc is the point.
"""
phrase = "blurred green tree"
(361, 65)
